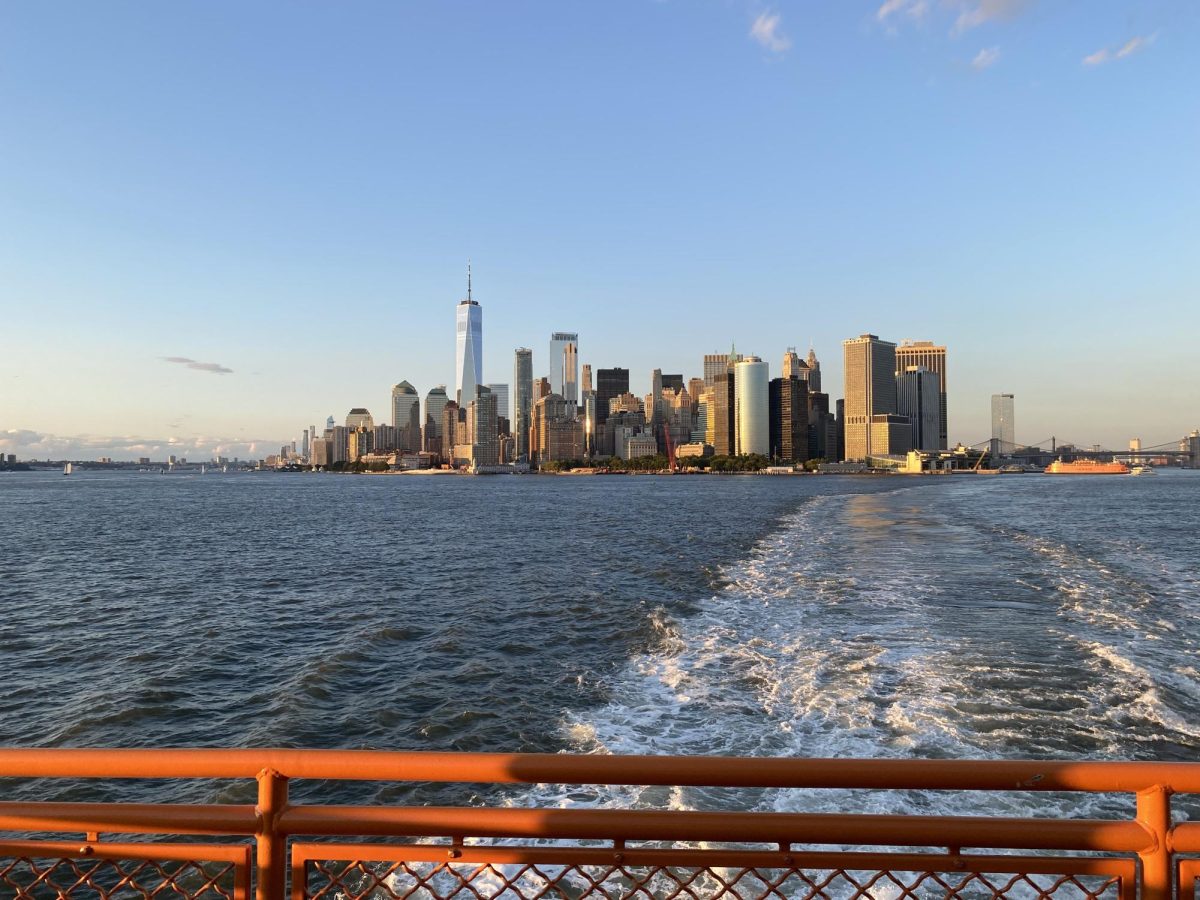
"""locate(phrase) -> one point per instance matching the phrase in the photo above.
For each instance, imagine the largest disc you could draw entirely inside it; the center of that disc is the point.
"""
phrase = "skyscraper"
(359, 418)
(435, 404)
(485, 448)
(719, 364)
(500, 391)
(918, 396)
(873, 426)
(586, 384)
(814, 371)
(564, 365)
(789, 419)
(933, 358)
(794, 366)
(1004, 429)
(609, 383)
(406, 416)
(468, 356)
(752, 400)
(523, 399)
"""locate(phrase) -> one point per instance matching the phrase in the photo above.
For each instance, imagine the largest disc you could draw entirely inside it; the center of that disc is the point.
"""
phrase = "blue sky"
(291, 191)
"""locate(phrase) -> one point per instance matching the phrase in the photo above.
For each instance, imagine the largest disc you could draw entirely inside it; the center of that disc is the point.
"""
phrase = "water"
(956, 617)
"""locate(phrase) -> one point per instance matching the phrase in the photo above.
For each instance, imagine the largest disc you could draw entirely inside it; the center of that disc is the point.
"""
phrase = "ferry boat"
(1086, 467)
(1142, 470)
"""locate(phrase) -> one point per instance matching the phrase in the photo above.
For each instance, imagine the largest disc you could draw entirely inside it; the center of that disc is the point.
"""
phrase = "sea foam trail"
(873, 626)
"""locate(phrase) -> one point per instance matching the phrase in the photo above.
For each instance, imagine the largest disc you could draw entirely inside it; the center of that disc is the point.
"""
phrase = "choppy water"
(969, 616)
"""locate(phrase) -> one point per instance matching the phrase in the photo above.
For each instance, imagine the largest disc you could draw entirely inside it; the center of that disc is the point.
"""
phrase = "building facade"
(1004, 428)
(468, 348)
(522, 399)
(789, 419)
(918, 396)
(752, 401)
(933, 358)
(609, 383)
(564, 353)
(870, 392)
(406, 416)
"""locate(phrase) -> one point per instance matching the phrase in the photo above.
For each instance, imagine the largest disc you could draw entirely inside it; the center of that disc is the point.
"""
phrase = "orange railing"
(496, 852)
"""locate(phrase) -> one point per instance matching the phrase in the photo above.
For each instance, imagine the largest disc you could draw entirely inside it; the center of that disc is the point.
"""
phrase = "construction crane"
(672, 466)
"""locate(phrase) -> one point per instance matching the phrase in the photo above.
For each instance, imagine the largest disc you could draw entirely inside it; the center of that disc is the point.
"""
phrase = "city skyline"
(212, 240)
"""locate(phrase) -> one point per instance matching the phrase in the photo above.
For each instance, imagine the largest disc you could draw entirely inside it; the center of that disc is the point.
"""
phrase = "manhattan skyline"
(219, 234)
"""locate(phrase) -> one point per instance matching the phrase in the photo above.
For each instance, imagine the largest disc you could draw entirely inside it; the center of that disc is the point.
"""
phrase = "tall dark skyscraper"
(789, 419)
(522, 399)
(609, 383)
(933, 358)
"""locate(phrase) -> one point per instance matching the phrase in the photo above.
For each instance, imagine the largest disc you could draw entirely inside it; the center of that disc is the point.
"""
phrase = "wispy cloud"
(985, 58)
(973, 13)
(1130, 47)
(966, 14)
(215, 368)
(914, 9)
(767, 31)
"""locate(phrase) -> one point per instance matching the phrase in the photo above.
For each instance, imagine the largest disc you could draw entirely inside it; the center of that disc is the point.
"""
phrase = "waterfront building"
(822, 428)
(637, 446)
(677, 415)
(722, 421)
(932, 357)
(814, 370)
(448, 431)
(609, 383)
(406, 416)
(1004, 429)
(752, 402)
(564, 365)
(359, 417)
(556, 433)
(618, 428)
(468, 348)
(871, 425)
(320, 449)
(435, 403)
(918, 396)
(789, 419)
(359, 442)
(523, 400)
(485, 446)
(339, 450)
(384, 439)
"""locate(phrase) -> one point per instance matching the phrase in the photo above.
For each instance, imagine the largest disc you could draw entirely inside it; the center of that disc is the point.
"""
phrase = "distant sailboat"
(68, 469)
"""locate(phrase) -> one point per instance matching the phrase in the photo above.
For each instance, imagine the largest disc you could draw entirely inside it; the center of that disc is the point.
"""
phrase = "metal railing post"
(271, 874)
(1154, 814)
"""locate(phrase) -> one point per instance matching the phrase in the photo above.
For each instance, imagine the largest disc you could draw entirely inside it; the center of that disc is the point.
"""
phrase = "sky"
(221, 222)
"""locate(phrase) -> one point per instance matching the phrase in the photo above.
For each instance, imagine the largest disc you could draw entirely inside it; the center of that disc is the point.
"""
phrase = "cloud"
(766, 30)
(973, 13)
(28, 445)
(1130, 47)
(215, 368)
(914, 9)
(985, 58)
(967, 14)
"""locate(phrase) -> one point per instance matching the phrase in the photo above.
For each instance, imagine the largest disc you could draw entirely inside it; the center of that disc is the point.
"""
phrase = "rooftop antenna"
(468, 280)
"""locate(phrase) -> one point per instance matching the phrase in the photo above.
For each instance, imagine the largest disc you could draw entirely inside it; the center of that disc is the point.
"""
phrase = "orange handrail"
(1150, 835)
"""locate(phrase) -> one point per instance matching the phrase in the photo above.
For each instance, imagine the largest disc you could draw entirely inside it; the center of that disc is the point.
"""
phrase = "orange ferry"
(1086, 467)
